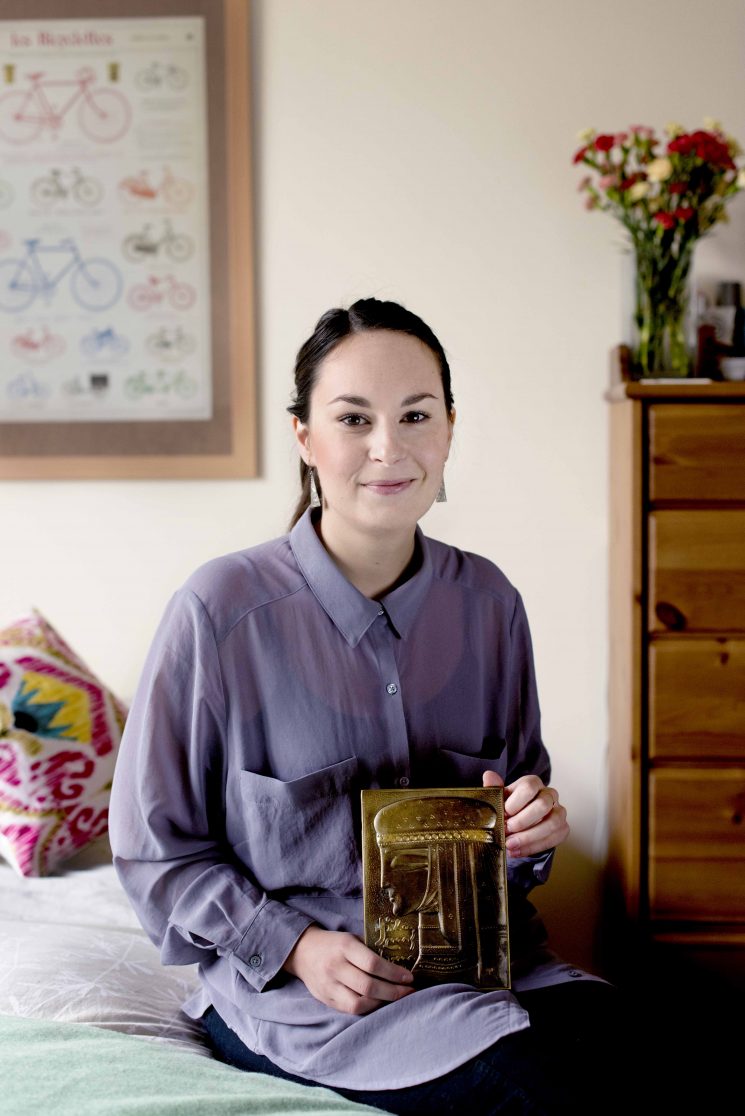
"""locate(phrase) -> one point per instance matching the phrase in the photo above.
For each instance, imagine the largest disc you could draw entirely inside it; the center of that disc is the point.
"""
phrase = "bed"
(90, 1021)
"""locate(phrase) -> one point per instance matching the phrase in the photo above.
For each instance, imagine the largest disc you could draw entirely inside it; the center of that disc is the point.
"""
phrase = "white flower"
(659, 169)
(638, 191)
(586, 135)
(712, 124)
(673, 129)
(741, 179)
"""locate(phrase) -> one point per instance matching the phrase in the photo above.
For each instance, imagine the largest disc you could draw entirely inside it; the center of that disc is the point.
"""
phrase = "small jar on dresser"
(676, 880)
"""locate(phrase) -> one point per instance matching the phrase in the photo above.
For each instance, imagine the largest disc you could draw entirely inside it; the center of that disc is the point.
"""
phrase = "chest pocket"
(300, 835)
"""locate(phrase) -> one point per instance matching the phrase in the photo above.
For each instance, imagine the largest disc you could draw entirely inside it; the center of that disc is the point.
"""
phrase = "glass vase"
(661, 317)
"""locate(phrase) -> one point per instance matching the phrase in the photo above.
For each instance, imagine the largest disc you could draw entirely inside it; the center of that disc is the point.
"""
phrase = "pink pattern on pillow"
(59, 731)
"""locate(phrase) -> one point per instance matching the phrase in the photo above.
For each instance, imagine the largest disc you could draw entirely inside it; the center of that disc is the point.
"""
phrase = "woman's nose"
(386, 444)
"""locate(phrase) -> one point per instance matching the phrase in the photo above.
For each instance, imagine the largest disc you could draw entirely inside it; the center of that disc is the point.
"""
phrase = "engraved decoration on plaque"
(435, 883)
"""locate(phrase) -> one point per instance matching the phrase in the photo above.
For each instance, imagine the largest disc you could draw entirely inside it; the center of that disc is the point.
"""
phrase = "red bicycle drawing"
(144, 296)
(103, 114)
(176, 192)
(37, 345)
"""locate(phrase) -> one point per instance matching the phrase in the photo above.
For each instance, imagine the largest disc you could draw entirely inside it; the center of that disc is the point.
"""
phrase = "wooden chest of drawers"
(677, 673)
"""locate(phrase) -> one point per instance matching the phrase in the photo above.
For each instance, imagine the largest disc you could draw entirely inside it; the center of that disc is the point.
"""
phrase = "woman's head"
(395, 350)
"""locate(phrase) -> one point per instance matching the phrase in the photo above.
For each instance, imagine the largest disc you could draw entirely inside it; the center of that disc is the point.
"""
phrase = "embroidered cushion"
(59, 732)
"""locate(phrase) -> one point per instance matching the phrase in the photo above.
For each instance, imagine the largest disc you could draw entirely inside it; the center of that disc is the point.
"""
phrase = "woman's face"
(378, 432)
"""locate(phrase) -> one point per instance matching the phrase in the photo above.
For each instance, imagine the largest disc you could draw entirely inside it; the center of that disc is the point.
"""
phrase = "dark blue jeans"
(566, 1062)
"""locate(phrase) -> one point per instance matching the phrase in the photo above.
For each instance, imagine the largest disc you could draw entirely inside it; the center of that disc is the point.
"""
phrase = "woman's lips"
(388, 488)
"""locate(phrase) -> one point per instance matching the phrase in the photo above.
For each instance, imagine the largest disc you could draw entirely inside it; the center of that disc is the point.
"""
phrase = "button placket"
(392, 706)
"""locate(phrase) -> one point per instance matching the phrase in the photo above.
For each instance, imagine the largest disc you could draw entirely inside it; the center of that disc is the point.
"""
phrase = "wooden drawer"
(697, 699)
(697, 570)
(696, 452)
(697, 844)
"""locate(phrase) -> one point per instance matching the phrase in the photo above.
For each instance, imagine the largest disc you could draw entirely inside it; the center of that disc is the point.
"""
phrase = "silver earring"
(442, 496)
(315, 499)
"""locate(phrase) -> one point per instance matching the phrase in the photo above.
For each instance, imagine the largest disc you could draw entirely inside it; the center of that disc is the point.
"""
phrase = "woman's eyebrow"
(358, 401)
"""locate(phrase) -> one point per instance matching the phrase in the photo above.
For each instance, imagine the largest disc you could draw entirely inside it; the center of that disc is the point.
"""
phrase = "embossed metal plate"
(435, 883)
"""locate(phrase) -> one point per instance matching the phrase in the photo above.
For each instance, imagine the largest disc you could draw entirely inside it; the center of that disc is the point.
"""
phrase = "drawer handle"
(739, 809)
(670, 616)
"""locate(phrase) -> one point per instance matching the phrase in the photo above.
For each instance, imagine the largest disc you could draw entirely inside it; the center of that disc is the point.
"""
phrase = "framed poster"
(126, 261)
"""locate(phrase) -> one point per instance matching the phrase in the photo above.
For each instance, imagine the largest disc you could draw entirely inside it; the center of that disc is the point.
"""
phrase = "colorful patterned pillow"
(59, 732)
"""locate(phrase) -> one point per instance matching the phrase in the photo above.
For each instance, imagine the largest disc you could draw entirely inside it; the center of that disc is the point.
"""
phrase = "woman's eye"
(353, 420)
(415, 416)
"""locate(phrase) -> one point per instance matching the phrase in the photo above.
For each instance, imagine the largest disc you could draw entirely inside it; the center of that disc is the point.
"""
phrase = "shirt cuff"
(268, 942)
(524, 872)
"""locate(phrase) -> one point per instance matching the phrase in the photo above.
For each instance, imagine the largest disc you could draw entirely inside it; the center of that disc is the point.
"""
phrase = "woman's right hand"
(340, 971)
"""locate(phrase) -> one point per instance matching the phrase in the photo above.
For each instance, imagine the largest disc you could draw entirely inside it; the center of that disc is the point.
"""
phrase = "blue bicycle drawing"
(26, 386)
(94, 284)
(104, 342)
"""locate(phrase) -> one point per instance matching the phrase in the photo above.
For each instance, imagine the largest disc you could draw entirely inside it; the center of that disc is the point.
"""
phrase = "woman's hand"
(534, 819)
(340, 971)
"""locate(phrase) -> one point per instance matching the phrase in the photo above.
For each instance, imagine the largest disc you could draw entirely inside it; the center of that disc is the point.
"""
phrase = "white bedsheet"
(71, 949)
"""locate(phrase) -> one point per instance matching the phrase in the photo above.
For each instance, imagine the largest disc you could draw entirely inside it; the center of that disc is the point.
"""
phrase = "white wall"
(420, 150)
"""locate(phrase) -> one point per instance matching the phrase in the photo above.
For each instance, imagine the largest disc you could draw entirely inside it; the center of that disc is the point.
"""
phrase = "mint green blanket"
(72, 1069)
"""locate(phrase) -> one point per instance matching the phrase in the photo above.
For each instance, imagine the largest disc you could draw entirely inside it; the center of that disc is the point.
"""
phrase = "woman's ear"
(451, 420)
(302, 437)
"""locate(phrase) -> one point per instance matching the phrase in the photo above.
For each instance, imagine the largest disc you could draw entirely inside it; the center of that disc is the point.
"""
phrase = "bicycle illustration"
(37, 345)
(157, 75)
(170, 344)
(103, 114)
(26, 386)
(94, 284)
(176, 192)
(51, 188)
(142, 245)
(98, 384)
(6, 195)
(161, 382)
(104, 343)
(145, 296)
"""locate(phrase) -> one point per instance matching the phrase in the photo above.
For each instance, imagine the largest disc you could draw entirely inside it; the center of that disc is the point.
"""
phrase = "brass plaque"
(435, 883)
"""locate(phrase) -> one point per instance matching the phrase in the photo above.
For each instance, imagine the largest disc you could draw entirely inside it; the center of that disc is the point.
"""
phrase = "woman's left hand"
(535, 821)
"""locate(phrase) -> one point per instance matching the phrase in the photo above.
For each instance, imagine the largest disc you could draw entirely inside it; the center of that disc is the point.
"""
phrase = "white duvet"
(71, 949)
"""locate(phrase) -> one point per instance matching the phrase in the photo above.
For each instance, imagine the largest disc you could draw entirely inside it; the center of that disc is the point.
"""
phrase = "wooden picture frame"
(224, 445)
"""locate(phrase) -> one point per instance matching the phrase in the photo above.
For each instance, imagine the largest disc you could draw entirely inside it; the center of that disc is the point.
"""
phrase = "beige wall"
(420, 150)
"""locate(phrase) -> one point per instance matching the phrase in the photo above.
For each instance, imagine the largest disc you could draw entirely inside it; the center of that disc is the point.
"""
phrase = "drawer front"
(697, 570)
(697, 451)
(697, 844)
(697, 699)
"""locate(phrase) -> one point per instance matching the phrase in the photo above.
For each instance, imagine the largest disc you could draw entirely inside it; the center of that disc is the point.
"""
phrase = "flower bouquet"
(666, 192)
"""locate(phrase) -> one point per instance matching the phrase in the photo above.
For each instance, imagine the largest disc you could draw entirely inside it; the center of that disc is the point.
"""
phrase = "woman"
(353, 652)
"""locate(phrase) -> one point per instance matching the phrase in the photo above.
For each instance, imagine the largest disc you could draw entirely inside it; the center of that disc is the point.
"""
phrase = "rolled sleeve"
(268, 942)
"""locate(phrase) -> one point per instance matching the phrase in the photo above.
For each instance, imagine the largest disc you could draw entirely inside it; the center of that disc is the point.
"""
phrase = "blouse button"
(381, 612)
(254, 960)
(403, 781)
(392, 688)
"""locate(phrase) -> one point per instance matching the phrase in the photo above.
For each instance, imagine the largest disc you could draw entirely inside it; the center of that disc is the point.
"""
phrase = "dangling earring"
(442, 496)
(315, 499)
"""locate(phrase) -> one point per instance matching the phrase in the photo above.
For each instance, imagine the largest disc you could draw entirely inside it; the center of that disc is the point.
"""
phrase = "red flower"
(677, 187)
(579, 155)
(666, 220)
(706, 146)
(683, 213)
(604, 143)
(682, 144)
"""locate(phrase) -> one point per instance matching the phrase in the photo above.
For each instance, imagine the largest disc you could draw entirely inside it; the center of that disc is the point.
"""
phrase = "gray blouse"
(273, 691)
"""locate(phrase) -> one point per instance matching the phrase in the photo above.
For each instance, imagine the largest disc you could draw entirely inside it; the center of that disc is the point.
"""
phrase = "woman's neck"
(373, 564)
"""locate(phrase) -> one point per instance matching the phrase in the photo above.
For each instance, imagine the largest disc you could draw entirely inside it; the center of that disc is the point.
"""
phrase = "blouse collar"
(350, 610)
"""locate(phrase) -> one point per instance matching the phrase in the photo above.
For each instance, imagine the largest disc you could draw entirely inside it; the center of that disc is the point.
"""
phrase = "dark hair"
(331, 328)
